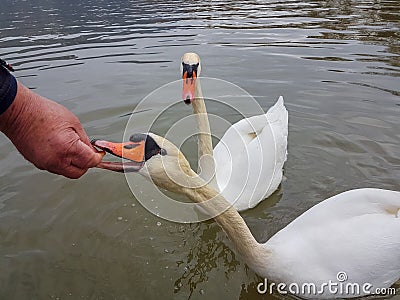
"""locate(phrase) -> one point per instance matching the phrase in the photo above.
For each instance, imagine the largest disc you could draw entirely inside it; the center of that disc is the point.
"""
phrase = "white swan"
(250, 156)
(356, 232)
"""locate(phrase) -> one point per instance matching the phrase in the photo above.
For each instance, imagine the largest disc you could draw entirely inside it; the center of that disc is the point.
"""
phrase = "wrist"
(12, 118)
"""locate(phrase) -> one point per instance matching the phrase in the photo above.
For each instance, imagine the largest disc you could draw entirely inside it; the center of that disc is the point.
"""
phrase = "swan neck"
(205, 147)
(231, 222)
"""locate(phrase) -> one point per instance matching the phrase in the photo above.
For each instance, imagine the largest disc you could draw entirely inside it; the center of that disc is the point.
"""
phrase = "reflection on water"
(203, 257)
(335, 62)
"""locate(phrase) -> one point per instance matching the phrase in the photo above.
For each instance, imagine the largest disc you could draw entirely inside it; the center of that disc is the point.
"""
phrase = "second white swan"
(250, 156)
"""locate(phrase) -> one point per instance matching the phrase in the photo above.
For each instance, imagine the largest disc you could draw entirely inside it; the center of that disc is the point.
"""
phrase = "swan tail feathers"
(279, 114)
(278, 119)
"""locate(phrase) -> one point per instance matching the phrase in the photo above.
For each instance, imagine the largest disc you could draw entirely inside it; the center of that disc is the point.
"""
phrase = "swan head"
(190, 70)
(153, 157)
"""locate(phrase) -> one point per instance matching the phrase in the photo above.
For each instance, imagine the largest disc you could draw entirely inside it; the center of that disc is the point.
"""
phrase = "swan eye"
(163, 152)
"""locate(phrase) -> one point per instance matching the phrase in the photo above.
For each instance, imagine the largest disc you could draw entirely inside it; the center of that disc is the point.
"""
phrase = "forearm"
(22, 111)
(18, 113)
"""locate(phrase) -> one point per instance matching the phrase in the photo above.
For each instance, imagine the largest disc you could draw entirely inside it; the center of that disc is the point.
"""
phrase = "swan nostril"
(187, 100)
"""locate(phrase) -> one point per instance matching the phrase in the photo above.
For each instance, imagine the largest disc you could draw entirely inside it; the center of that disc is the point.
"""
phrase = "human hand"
(48, 135)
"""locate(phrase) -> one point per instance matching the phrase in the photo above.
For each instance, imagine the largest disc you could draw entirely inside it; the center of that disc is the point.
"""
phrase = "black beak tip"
(187, 100)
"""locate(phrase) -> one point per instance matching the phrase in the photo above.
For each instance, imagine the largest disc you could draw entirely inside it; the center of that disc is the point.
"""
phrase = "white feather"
(250, 156)
(356, 232)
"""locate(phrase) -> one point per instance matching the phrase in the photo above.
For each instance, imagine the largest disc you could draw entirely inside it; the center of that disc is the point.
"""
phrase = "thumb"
(84, 156)
(83, 136)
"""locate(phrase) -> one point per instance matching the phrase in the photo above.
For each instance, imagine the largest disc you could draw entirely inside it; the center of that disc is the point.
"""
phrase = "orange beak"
(189, 84)
(133, 151)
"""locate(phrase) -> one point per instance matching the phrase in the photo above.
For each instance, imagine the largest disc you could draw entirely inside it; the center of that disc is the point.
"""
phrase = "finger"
(73, 172)
(84, 157)
(82, 134)
(67, 170)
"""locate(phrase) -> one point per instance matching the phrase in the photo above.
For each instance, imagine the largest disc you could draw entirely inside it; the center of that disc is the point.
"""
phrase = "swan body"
(356, 232)
(249, 159)
(250, 156)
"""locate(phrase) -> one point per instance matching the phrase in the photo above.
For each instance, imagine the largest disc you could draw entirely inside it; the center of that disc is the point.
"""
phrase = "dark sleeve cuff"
(8, 89)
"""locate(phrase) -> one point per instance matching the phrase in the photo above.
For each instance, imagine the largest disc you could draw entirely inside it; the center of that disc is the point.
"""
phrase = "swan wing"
(250, 156)
(356, 232)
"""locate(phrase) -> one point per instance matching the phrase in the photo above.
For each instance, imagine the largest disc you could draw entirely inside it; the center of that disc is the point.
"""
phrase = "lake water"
(336, 62)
